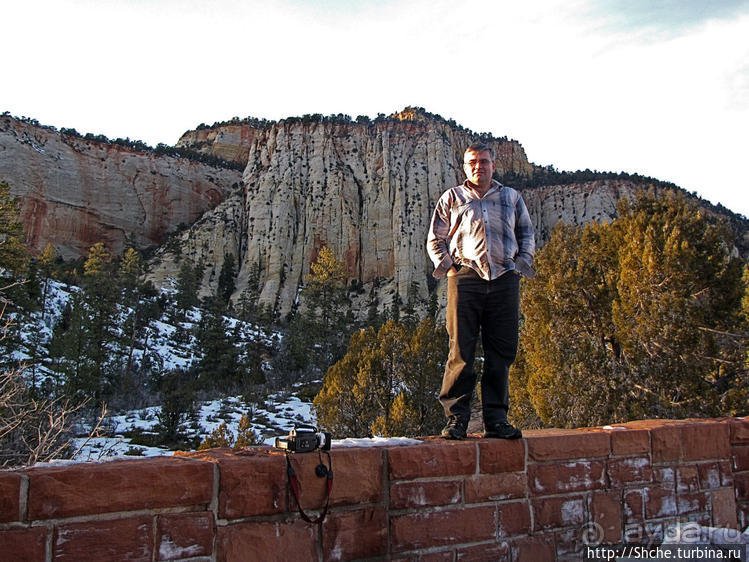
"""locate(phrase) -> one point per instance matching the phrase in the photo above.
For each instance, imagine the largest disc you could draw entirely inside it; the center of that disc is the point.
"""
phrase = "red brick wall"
(533, 499)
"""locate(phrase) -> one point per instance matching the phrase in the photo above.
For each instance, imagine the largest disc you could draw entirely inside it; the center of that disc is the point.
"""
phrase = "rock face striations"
(74, 191)
(365, 190)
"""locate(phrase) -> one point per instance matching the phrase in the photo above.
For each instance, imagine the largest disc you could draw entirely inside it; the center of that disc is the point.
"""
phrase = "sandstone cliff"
(229, 141)
(365, 188)
(367, 191)
(75, 192)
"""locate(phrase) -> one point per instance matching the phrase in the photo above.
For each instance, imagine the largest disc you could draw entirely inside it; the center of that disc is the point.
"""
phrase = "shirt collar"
(496, 186)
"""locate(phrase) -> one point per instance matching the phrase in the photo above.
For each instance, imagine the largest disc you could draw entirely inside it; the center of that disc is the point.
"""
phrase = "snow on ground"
(374, 442)
(280, 414)
(274, 418)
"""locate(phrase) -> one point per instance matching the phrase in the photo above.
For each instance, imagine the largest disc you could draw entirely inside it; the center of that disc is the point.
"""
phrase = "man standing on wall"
(481, 237)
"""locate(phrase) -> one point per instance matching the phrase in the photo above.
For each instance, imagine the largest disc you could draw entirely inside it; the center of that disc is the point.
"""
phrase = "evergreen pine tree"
(318, 332)
(139, 309)
(410, 315)
(84, 342)
(226, 279)
(637, 318)
(219, 366)
(337, 407)
(386, 383)
(248, 300)
(46, 266)
(186, 295)
(13, 255)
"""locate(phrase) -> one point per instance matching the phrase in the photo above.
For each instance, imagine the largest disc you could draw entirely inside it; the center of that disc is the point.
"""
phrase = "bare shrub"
(33, 429)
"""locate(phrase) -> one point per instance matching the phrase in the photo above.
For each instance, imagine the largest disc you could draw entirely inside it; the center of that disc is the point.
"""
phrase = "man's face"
(479, 167)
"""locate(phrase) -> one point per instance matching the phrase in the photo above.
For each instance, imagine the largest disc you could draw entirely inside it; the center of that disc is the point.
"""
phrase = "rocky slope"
(75, 191)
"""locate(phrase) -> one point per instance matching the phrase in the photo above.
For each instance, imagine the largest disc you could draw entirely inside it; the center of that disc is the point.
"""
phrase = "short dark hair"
(481, 147)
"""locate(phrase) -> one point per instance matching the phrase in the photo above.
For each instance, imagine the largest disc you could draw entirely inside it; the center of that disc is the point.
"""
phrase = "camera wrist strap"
(294, 482)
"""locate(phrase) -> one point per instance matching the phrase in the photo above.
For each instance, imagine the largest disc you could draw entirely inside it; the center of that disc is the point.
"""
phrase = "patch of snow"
(375, 442)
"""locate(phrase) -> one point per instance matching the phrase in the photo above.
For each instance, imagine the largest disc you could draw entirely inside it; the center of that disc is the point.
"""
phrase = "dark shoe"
(502, 430)
(455, 428)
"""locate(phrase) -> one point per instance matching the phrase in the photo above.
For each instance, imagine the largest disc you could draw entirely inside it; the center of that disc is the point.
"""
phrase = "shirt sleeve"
(438, 243)
(525, 238)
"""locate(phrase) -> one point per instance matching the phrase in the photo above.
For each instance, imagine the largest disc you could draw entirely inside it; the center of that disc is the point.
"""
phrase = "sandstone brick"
(493, 487)
(441, 528)
(513, 518)
(405, 495)
(726, 473)
(634, 503)
(253, 483)
(742, 512)
(441, 556)
(124, 485)
(665, 475)
(119, 539)
(634, 533)
(692, 503)
(10, 497)
(606, 511)
(741, 483)
(630, 441)
(706, 440)
(267, 540)
(628, 470)
(569, 544)
(357, 478)
(655, 531)
(687, 479)
(660, 501)
(666, 443)
(556, 512)
(703, 518)
(438, 458)
(24, 545)
(739, 430)
(723, 503)
(576, 476)
(496, 552)
(740, 457)
(537, 549)
(710, 475)
(355, 534)
(500, 455)
(184, 535)
(563, 444)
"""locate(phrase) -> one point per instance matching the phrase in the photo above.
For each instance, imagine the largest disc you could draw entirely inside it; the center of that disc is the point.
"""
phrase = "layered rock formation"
(229, 141)
(75, 192)
(365, 190)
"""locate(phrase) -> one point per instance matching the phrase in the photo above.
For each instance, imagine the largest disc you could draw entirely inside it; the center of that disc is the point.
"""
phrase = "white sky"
(657, 88)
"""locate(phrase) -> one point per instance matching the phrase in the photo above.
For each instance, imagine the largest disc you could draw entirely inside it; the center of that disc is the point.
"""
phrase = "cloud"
(661, 88)
(666, 17)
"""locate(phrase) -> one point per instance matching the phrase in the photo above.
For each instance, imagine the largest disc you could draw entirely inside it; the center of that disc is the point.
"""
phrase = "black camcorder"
(304, 439)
